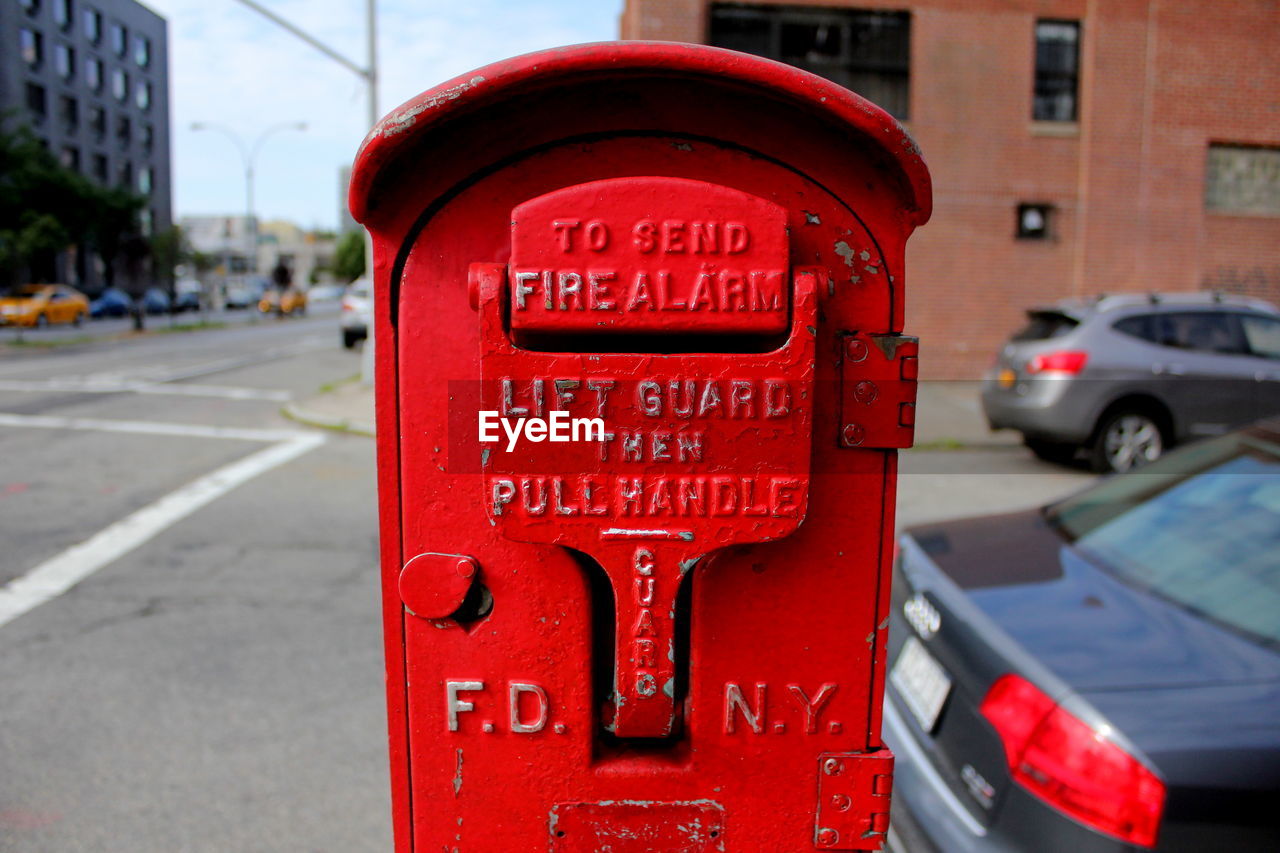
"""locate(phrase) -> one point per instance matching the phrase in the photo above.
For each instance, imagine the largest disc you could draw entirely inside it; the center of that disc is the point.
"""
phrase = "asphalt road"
(217, 686)
(190, 649)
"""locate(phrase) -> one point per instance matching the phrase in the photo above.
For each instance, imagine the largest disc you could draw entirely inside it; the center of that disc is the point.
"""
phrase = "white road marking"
(149, 428)
(57, 575)
(100, 385)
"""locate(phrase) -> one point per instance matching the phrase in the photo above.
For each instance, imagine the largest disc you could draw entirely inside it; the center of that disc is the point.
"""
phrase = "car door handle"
(1171, 369)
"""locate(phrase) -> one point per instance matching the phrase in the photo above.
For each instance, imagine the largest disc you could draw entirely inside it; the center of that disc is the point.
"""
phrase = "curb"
(314, 419)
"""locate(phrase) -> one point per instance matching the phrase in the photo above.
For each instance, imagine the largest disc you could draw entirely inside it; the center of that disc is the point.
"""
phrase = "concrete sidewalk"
(948, 415)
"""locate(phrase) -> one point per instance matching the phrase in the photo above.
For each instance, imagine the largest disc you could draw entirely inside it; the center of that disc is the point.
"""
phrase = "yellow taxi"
(292, 301)
(42, 304)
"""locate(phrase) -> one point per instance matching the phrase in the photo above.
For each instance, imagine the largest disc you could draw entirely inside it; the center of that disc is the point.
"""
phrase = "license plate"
(1006, 378)
(921, 682)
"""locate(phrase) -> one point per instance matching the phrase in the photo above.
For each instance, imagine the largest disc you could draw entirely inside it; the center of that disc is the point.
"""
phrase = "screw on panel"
(833, 767)
(466, 568)
(827, 837)
(854, 434)
(865, 391)
(855, 350)
(841, 802)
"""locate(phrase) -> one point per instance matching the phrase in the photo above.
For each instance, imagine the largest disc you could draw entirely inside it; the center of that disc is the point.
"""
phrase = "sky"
(232, 67)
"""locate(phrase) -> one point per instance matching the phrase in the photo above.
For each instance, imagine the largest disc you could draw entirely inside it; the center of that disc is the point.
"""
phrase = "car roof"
(1106, 303)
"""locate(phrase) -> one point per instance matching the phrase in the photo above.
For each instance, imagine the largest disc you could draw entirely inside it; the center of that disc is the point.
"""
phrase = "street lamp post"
(248, 156)
(369, 74)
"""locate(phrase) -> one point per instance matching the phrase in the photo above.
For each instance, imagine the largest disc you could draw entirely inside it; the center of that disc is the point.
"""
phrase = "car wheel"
(1127, 439)
(78, 319)
(349, 338)
(42, 320)
(1051, 451)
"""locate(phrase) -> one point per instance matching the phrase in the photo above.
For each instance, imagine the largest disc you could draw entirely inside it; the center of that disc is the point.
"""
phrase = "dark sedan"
(1099, 675)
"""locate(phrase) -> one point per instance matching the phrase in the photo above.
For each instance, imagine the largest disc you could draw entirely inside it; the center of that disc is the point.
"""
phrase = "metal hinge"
(878, 379)
(853, 800)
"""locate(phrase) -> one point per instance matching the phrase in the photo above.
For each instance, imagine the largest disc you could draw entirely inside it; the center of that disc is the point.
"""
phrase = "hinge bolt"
(865, 391)
(854, 434)
(855, 350)
(827, 837)
(841, 802)
(833, 767)
(466, 568)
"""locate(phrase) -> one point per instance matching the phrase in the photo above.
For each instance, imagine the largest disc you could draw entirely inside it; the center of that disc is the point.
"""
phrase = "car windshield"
(1199, 528)
(25, 291)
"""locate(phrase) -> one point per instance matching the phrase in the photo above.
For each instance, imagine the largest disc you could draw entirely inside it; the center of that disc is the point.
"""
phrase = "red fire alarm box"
(641, 379)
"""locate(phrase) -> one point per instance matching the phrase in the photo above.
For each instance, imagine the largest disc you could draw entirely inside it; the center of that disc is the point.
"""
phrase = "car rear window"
(1199, 528)
(1043, 325)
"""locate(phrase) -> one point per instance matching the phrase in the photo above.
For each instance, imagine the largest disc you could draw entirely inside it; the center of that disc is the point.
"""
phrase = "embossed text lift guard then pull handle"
(648, 526)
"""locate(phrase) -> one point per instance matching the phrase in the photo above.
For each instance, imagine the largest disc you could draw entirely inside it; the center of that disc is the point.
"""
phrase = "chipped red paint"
(686, 615)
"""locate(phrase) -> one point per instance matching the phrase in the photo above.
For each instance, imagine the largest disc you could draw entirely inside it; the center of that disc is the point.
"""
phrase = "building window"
(119, 40)
(146, 222)
(142, 51)
(100, 168)
(68, 113)
(31, 45)
(124, 177)
(148, 138)
(1242, 179)
(866, 51)
(98, 122)
(64, 61)
(36, 101)
(70, 158)
(142, 97)
(1033, 221)
(120, 85)
(92, 25)
(144, 180)
(32, 6)
(93, 73)
(1057, 71)
(124, 131)
(62, 13)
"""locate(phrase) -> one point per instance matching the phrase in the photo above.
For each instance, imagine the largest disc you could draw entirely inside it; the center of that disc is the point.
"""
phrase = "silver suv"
(1125, 377)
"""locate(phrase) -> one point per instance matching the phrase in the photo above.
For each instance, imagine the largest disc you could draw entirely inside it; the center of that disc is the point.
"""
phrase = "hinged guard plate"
(701, 451)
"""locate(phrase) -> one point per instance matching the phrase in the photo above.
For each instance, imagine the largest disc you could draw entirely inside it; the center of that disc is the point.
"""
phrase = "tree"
(348, 256)
(168, 248)
(46, 208)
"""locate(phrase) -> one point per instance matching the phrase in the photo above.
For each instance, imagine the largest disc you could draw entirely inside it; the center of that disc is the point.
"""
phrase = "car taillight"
(1063, 361)
(1072, 767)
(346, 306)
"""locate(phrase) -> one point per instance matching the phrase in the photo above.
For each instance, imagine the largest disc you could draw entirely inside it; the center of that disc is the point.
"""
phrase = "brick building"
(1076, 146)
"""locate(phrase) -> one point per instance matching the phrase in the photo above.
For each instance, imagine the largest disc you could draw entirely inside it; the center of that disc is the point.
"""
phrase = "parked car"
(1102, 674)
(244, 294)
(324, 293)
(155, 301)
(357, 308)
(1125, 377)
(112, 302)
(290, 301)
(42, 304)
(186, 295)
